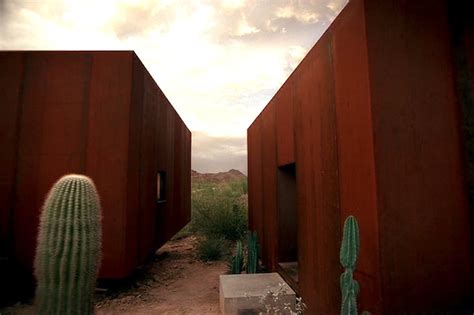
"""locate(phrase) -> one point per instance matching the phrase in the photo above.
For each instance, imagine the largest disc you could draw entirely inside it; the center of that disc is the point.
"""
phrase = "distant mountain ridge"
(229, 176)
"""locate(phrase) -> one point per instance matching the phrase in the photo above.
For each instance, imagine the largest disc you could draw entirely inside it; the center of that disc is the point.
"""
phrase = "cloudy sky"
(219, 62)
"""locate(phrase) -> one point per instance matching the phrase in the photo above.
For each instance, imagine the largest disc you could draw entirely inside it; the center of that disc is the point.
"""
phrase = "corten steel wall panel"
(161, 133)
(269, 189)
(421, 198)
(187, 173)
(134, 209)
(185, 214)
(468, 100)
(148, 167)
(170, 161)
(107, 153)
(284, 125)
(182, 174)
(51, 142)
(148, 104)
(317, 181)
(76, 112)
(254, 149)
(177, 185)
(355, 144)
(11, 77)
(462, 33)
(391, 112)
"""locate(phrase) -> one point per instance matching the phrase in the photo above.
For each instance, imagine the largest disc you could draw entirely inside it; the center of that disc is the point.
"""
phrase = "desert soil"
(175, 282)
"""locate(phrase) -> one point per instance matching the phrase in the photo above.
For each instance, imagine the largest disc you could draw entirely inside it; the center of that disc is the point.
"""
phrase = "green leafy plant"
(252, 252)
(68, 249)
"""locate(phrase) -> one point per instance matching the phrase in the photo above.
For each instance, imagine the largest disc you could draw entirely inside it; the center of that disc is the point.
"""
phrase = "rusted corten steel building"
(368, 124)
(100, 114)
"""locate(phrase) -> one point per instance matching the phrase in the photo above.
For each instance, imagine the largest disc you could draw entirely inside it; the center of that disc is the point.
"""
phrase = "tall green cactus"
(252, 252)
(348, 257)
(237, 260)
(68, 249)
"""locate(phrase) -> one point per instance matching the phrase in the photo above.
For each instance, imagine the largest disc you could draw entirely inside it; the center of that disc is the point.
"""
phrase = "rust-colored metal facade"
(99, 114)
(371, 121)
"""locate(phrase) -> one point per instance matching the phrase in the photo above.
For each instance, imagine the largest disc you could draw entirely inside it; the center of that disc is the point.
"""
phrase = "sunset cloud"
(218, 61)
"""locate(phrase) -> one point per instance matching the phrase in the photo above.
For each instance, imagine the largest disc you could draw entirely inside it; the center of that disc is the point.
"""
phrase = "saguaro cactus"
(348, 257)
(68, 249)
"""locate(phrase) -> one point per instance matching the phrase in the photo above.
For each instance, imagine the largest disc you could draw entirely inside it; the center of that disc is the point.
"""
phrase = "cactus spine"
(68, 249)
(252, 252)
(348, 257)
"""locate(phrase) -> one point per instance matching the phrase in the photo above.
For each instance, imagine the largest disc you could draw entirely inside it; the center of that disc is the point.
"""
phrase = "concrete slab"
(241, 294)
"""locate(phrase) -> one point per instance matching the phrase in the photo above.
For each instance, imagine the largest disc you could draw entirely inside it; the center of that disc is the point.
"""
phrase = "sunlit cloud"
(219, 62)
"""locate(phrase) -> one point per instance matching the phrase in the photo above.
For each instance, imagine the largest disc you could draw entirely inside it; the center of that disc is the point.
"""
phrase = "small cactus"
(350, 243)
(68, 249)
(237, 260)
(348, 257)
(252, 252)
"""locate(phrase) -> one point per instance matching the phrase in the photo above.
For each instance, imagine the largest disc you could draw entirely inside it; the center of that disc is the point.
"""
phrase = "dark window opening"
(288, 224)
(161, 187)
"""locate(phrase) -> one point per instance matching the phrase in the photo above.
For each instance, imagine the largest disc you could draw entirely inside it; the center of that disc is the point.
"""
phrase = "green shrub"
(236, 188)
(68, 249)
(210, 249)
(218, 212)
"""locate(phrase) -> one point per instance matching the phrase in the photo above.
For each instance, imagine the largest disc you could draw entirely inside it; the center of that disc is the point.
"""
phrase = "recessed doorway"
(288, 224)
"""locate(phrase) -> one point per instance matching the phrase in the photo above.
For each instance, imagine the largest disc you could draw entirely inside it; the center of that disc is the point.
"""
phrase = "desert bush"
(218, 212)
(211, 248)
(236, 188)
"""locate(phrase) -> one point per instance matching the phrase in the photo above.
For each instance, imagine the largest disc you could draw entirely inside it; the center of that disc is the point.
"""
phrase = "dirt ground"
(175, 282)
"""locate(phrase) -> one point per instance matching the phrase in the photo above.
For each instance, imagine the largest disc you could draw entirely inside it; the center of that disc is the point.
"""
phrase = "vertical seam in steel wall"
(249, 215)
(276, 246)
(374, 156)
(462, 78)
(336, 134)
(139, 143)
(19, 119)
(85, 112)
(293, 104)
(127, 163)
(262, 211)
(296, 110)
